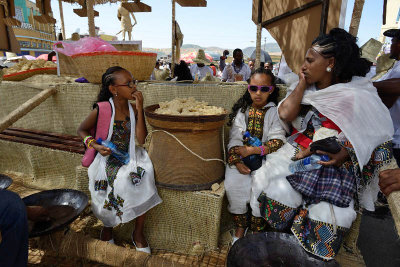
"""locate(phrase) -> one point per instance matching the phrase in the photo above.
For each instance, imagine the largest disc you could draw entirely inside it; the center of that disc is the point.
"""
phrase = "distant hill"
(187, 48)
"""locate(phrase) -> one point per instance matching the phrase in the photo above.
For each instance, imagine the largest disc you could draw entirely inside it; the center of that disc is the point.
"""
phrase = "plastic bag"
(84, 45)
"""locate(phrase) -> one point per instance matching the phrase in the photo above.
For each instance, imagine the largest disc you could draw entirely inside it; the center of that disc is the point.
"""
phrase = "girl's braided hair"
(107, 79)
(245, 101)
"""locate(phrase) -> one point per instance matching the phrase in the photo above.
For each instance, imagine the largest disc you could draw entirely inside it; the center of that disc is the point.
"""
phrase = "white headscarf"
(357, 110)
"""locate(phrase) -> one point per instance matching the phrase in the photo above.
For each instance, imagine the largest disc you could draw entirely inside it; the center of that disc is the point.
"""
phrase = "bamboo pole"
(62, 19)
(90, 13)
(356, 17)
(25, 108)
(258, 47)
(173, 40)
(74, 244)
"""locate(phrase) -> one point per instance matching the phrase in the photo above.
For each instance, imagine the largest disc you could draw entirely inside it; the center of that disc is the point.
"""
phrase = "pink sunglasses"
(263, 88)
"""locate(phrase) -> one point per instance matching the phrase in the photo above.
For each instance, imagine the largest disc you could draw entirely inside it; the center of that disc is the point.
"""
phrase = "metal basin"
(272, 249)
(5, 181)
(63, 206)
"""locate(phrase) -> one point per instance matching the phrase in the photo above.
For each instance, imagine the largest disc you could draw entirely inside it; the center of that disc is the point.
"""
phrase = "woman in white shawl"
(331, 99)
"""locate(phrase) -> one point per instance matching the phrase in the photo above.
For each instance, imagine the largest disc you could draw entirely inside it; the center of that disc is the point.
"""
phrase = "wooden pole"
(25, 108)
(173, 40)
(62, 19)
(356, 17)
(74, 244)
(90, 13)
(258, 47)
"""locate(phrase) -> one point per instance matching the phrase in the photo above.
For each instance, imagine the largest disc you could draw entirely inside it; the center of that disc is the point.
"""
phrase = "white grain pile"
(188, 107)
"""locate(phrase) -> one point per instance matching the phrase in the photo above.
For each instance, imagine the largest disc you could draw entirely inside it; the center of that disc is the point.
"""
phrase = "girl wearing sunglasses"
(256, 113)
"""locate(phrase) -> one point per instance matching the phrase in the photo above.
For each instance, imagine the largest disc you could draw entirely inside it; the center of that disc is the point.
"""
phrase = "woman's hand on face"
(243, 169)
(244, 151)
(138, 96)
(302, 80)
(104, 151)
(335, 159)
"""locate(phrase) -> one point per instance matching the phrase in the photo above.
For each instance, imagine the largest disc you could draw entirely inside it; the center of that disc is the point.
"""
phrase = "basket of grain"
(92, 65)
(179, 134)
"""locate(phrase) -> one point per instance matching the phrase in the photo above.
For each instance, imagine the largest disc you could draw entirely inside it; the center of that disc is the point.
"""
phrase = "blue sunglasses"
(262, 88)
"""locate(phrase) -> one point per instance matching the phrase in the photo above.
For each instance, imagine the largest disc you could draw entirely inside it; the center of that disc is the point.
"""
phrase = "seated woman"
(331, 99)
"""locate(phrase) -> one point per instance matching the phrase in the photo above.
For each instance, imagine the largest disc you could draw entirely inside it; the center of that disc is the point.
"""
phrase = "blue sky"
(223, 23)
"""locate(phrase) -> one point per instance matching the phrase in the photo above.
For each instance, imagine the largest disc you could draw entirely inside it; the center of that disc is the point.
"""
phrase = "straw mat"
(61, 113)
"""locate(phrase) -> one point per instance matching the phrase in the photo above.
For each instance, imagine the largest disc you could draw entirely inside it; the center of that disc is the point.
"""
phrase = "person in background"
(389, 89)
(237, 70)
(222, 59)
(199, 70)
(251, 65)
(157, 67)
(212, 66)
(269, 66)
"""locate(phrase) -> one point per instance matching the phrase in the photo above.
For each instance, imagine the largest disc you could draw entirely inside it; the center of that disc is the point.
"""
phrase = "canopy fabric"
(295, 34)
(188, 57)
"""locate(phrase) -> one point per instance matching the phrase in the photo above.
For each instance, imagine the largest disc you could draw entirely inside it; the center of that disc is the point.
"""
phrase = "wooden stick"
(78, 245)
(62, 19)
(258, 47)
(173, 40)
(356, 17)
(25, 108)
(90, 14)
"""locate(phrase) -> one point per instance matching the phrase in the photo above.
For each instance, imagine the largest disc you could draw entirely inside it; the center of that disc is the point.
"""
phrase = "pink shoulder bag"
(101, 131)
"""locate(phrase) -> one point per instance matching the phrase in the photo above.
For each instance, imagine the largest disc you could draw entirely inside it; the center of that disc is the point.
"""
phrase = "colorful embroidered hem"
(278, 215)
(258, 224)
(255, 125)
(273, 145)
(241, 220)
(316, 237)
(233, 158)
(100, 185)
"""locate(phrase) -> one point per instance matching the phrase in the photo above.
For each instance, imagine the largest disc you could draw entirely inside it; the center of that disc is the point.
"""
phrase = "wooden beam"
(136, 7)
(356, 17)
(173, 40)
(25, 108)
(292, 12)
(60, 7)
(90, 13)
(192, 3)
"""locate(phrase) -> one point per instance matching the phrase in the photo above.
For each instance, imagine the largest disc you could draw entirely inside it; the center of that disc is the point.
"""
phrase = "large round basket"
(174, 166)
(93, 65)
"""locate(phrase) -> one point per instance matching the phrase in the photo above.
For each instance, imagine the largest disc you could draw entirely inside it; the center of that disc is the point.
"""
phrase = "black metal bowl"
(5, 181)
(63, 205)
(272, 249)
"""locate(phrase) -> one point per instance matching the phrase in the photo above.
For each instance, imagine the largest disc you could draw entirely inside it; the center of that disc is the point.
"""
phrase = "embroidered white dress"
(129, 192)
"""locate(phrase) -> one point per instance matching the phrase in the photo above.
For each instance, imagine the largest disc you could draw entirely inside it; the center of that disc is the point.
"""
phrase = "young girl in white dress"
(121, 192)
(256, 113)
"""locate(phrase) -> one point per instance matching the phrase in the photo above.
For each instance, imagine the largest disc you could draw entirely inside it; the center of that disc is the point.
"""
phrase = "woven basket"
(175, 167)
(19, 76)
(67, 65)
(93, 65)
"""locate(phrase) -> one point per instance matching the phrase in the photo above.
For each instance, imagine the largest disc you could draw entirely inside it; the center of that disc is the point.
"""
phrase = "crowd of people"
(332, 100)
(202, 69)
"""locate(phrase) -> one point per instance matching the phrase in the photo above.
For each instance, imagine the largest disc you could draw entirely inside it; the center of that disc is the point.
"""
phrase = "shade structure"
(296, 32)
(136, 7)
(265, 57)
(192, 3)
(188, 57)
(83, 12)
